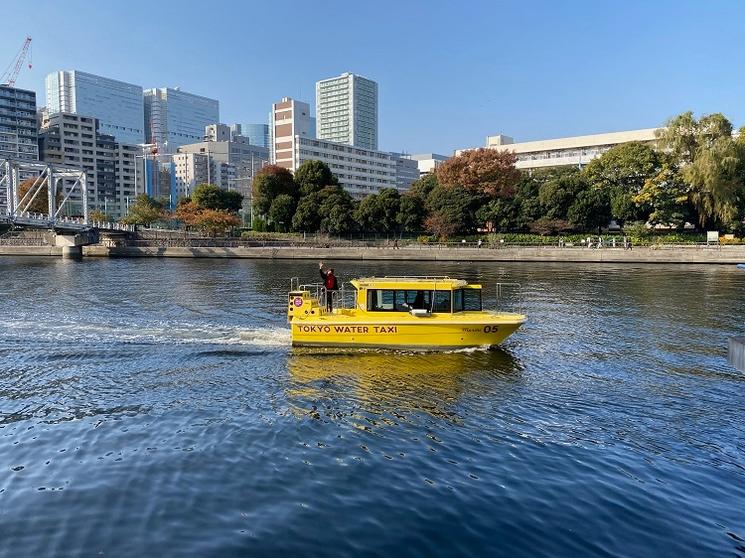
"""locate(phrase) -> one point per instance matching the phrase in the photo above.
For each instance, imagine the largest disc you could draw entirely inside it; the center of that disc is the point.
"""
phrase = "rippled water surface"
(154, 408)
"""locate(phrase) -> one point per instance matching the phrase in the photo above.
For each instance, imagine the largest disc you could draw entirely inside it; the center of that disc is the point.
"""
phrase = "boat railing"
(426, 277)
(344, 297)
(502, 287)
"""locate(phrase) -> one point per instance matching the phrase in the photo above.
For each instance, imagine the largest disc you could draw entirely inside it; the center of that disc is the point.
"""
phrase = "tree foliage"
(40, 203)
(209, 196)
(281, 212)
(313, 176)
(270, 182)
(145, 211)
(488, 172)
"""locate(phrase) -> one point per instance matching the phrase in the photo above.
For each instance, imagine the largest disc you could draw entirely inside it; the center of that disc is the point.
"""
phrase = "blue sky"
(449, 73)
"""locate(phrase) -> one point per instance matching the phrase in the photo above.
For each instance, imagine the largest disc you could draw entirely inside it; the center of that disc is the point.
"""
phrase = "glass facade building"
(117, 105)
(174, 118)
(18, 134)
(347, 110)
(257, 134)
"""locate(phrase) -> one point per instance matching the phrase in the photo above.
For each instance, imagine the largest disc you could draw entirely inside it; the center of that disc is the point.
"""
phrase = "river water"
(154, 407)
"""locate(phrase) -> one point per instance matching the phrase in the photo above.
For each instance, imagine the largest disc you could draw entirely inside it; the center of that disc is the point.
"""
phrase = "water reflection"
(395, 384)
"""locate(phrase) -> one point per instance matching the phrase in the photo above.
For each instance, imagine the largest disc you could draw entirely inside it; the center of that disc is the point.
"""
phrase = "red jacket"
(329, 280)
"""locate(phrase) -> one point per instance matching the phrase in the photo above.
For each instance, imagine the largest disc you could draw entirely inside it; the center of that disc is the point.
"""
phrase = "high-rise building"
(74, 140)
(347, 110)
(174, 118)
(290, 119)
(115, 104)
(18, 135)
(257, 134)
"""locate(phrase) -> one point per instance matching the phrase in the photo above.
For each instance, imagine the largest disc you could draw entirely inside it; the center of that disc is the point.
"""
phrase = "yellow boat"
(397, 312)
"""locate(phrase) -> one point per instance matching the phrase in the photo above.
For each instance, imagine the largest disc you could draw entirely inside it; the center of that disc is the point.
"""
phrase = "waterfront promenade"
(697, 254)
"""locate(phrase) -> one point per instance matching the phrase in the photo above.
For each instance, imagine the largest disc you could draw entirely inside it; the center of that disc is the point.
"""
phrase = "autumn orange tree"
(485, 172)
(41, 201)
(212, 222)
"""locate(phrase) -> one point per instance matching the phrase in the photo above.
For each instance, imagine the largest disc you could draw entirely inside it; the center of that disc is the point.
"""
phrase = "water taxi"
(396, 312)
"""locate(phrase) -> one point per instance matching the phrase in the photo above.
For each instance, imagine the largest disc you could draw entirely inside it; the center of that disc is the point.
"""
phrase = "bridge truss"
(66, 182)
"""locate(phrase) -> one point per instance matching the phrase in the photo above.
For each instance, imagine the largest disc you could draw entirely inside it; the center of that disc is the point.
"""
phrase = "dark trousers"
(329, 300)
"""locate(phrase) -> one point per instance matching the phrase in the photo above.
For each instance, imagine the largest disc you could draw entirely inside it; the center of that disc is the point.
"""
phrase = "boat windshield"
(465, 300)
(389, 300)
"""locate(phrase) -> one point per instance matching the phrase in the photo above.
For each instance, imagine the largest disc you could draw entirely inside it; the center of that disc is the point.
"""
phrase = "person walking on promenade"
(395, 244)
(330, 284)
(480, 243)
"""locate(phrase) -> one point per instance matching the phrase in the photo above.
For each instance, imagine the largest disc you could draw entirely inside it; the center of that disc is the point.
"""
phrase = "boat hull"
(401, 335)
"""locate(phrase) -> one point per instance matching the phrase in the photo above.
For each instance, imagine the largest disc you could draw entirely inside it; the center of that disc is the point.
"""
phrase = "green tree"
(499, 214)
(558, 192)
(411, 213)
(711, 162)
(270, 182)
(451, 209)
(281, 212)
(366, 214)
(314, 176)
(621, 173)
(98, 216)
(667, 196)
(209, 196)
(590, 210)
(487, 172)
(336, 211)
(145, 211)
(307, 217)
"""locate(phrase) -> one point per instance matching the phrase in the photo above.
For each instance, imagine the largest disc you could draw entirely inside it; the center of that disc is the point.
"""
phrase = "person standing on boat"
(330, 283)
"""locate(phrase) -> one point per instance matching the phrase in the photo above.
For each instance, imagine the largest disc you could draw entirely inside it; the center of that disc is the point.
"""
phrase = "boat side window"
(407, 300)
(380, 300)
(442, 302)
(458, 300)
(472, 300)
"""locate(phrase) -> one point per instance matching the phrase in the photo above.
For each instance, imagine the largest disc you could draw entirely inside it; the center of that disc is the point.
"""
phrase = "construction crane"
(11, 73)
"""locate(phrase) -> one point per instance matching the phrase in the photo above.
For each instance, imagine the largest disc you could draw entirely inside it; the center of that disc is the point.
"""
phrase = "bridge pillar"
(72, 244)
(74, 252)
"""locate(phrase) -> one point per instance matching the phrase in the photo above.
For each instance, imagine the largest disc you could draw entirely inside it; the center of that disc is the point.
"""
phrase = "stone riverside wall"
(670, 254)
(694, 254)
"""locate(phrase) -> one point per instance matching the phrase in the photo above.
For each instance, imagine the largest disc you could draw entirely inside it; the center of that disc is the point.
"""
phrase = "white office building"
(115, 104)
(174, 118)
(347, 110)
(576, 151)
(428, 162)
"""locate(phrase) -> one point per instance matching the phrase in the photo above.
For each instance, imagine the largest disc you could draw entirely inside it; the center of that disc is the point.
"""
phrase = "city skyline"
(530, 71)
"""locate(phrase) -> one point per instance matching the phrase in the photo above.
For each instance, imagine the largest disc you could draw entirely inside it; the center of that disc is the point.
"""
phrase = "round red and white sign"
(298, 301)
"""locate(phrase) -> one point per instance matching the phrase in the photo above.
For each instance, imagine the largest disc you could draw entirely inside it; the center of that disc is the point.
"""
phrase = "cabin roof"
(409, 283)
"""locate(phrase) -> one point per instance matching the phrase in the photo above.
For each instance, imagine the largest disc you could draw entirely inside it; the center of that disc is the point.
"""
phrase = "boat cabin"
(416, 295)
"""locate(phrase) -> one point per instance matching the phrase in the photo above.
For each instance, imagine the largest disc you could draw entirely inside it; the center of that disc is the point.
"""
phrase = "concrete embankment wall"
(716, 255)
(697, 255)
(30, 250)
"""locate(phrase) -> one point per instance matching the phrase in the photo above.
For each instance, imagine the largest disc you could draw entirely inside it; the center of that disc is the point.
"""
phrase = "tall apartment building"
(115, 104)
(290, 119)
(246, 159)
(347, 110)
(18, 134)
(75, 141)
(174, 118)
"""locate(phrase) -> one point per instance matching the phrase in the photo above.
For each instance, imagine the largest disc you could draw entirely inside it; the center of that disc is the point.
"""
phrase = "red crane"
(11, 73)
